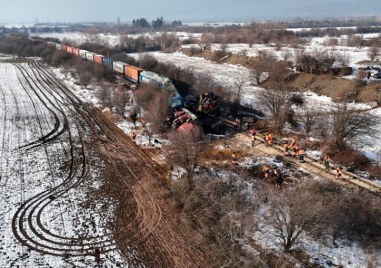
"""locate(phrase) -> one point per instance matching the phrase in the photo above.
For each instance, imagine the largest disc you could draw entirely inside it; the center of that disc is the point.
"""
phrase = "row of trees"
(339, 127)
(155, 24)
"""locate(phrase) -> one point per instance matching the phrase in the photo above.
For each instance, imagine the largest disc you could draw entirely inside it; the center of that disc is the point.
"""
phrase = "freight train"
(129, 72)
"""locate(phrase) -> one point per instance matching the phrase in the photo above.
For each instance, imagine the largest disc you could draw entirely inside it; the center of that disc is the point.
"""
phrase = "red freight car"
(98, 59)
(69, 50)
(76, 51)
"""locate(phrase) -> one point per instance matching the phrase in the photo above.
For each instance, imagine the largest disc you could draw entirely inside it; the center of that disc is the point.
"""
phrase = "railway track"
(316, 166)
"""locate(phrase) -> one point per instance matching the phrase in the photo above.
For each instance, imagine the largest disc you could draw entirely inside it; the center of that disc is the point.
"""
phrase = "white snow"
(38, 180)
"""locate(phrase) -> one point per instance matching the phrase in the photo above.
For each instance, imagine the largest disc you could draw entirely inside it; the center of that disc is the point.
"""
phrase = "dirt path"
(154, 225)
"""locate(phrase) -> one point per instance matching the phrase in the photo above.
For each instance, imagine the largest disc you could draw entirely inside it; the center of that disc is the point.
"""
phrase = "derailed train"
(130, 72)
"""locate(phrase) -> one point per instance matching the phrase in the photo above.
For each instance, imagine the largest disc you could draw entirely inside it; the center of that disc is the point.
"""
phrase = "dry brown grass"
(325, 85)
(371, 92)
(338, 88)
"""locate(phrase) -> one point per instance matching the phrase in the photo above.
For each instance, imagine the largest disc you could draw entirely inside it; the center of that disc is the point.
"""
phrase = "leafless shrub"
(144, 95)
(373, 52)
(158, 111)
(104, 94)
(206, 40)
(147, 61)
(120, 100)
(323, 126)
(258, 70)
(351, 159)
(59, 57)
(354, 41)
(298, 55)
(292, 213)
(287, 55)
(235, 99)
(170, 42)
(344, 58)
(208, 208)
(349, 214)
(309, 120)
(331, 42)
(85, 78)
(186, 148)
(194, 51)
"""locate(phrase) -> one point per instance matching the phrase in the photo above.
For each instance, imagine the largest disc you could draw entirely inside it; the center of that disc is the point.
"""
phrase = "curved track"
(27, 223)
(53, 157)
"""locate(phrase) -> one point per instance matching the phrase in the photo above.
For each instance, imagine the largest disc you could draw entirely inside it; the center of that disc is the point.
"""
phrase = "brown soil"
(148, 229)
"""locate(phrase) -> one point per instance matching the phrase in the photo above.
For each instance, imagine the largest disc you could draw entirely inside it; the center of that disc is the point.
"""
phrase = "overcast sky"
(12, 11)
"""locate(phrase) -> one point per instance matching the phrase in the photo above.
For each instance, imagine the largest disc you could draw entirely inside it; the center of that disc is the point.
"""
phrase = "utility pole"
(118, 25)
(36, 25)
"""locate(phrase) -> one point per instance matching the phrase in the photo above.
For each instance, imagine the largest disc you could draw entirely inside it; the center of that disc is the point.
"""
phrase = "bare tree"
(85, 78)
(309, 120)
(287, 55)
(348, 124)
(170, 42)
(105, 95)
(268, 59)
(147, 61)
(186, 149)
(206, 40)
(344, 58)
(292, 213)
(236, 98)
(277, 101)
(158, 111)
(144, 95)
(373, 52)
(258, 71)
(120, 100)
(298, 55)
(92, 36)
(263, 66)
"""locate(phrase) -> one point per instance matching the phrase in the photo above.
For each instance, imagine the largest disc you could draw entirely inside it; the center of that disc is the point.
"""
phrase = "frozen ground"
(45, 178)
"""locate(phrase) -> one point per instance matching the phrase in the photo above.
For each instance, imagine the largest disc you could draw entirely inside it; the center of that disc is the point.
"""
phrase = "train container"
(76, 51)
(107, 61)
(58, 46)
(64, 48)
(98, 59)
(90, 55)
(132, 72)
(82, 53)
(52, 44)
(176, 101)
(153, 78)
(118, 66)
(69, 50)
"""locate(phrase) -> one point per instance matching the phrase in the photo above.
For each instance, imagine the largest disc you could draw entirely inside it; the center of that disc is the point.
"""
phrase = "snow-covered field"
(110, 40)
(43, 185)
